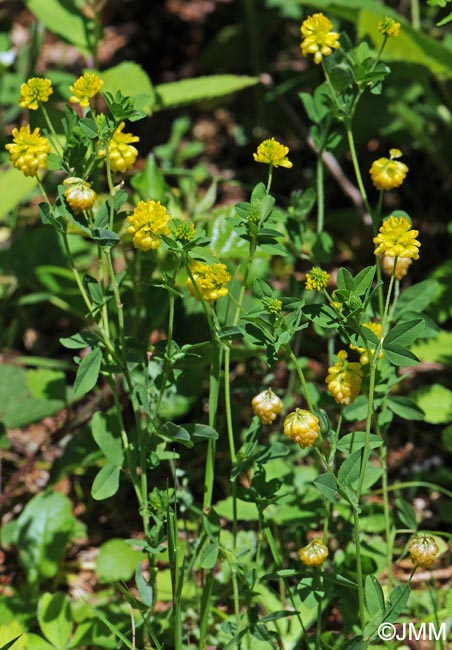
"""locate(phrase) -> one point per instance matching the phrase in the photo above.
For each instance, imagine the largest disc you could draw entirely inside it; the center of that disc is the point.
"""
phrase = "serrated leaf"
(191, 91)
(88, 372)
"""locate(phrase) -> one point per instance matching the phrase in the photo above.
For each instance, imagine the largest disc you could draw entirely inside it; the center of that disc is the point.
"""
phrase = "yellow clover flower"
(314, 554)
(185, 231)
(376, 328)
(267, 406)
(401, 266)
(29, 150)
(302, 427)
(396, 239)
(316, 279)
(344, 379)
(35, 91)
(148, 222)
(423, 550)
(272, 152)
(122, 153)
(389, 27)
(210, 281)
(86, 87)
(318, 39)
(388, 173)
(79, 194)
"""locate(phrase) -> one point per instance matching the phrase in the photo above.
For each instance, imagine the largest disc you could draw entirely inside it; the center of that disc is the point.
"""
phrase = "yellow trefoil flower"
(344, 379)
(317, 279)
(272, 152)
(318, 39)
(376, 328)
(35, 91)
(302, 427)
(79, 194)
(314, 554)
(267, 406)
(396, 239)
(389, 27)
(401, 266)
(388, 173)
(148, 222)
(210, 281)
(86, 87)
(185, 231)
(29, 150)
(122, 154)
(423, 550)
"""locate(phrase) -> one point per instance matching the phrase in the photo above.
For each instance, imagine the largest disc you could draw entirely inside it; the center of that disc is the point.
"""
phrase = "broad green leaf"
(344, 280)
(201, 432)
(65, 19)
(363, 280)
(436, 402)
(88, 372)
(105, 237)
(191, 91)
(226, 243)
(175, 433)
(8, 645)
(397, 600)
(399, 355)
(106, 482)
(326, 484)
(129, 78)
(106, 433)
(355, 440)
(145, 590)
(14, 188)
(208, 556)
(43, 530)
(262, 289)
(55, 620)
(375, 601)
(406, 513)
(435, 350)
(404, 333)
(417, 297)
(405, 408)
(116, 561)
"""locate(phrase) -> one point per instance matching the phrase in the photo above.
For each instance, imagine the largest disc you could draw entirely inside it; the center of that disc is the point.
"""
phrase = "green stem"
(51, 128)
(415, 15)
(320, 193)
(270, 178)
(386, 513)
(301, 377)
(359, 569)
(357, 170)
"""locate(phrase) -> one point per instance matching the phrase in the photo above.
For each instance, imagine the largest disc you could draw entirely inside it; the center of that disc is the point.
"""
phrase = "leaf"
(130, 79)
(106, 482)
(404, 333)
(55, 620)
(14, 188)
(397, 600)
(436, 402)
(191, 91)
(262, 289)
(276, 616)
(355, 440)
(201, 432)
(8, 645)
(208, 556)
(88, 372)
(175, 433)
(105, 237)
(406, 513)
(326, 484)
(417, 297)
(364, 279)
(375, 601)
(145, 590)
(399, 355)
(64, 18)
(106, 433)
(116, 561)
(405, 408)
(42, 533)
(344, 280)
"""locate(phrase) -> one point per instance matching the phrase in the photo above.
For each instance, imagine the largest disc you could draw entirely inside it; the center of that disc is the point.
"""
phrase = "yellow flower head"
(272, 305)
(34, 92)
(122, 153)
(29, 150)
(376, 328)
(185, 231)
(267, 406)
(210, 281)
(148, 222)
(401, 266)
(344, 379)
(316, 279)
(396, 239)
(387, 173)
(86, 86)
(314, 554)
(389, 27)
(423, 550)
(302, 427)
(79, 194)
(318, 39)
(272, 152)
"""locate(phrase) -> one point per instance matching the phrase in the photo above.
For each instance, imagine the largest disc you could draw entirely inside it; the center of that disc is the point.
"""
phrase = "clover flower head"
(376, 328)
(148, 222)
(389, 27)
(423, 550)
(314, 554)
(29, 150)
(302, 427)
(396, 239)
(267, 406)
(344, 379)
(317, 279)
(271, 152)
(402, 265)
(273, 306)
(86, 87)
(318, 39)
(388, 173)
(185, 231)
(122, 154)
(79, 194)
(35, 91)
(209, 281)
